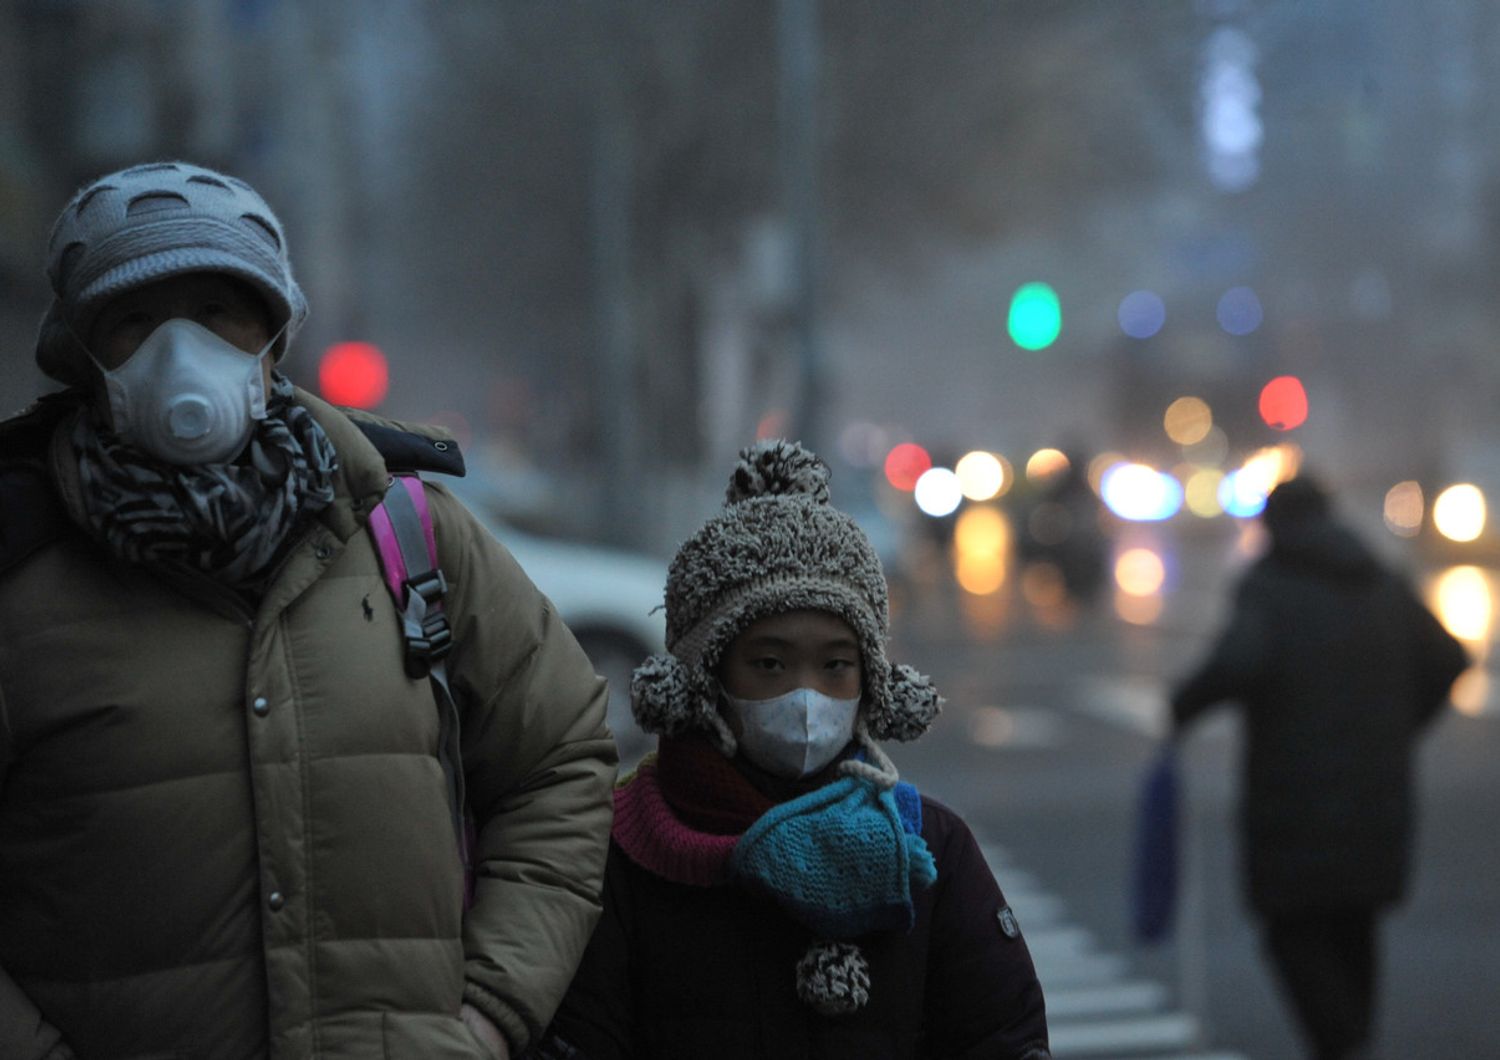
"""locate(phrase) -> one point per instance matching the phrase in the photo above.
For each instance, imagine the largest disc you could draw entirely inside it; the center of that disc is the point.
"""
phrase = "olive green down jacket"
(227, 835)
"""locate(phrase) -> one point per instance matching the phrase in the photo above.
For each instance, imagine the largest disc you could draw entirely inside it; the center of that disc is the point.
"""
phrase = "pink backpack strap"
(404, 540)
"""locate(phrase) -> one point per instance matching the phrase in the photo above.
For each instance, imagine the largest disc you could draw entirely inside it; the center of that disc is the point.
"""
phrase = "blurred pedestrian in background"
(773, 889)
(1338, 667)
(227, 808)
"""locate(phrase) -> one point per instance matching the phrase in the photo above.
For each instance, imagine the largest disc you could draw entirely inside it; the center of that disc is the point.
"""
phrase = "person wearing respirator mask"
(223, 818)
(773, 888)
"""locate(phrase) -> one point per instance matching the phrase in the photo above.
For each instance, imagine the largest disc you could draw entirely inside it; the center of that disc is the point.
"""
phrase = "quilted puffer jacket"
(224, 832)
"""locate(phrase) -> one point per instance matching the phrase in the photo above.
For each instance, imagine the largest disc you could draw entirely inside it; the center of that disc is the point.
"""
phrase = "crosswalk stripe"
(1093, 1010)
(1059, 942)
(1116, 999)
(1174, 1030)
(1088, 970)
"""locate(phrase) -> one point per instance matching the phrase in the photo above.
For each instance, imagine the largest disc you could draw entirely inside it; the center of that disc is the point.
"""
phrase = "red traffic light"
(354, 374)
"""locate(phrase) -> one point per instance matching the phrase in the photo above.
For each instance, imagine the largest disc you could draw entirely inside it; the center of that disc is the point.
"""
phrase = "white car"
(610, 599)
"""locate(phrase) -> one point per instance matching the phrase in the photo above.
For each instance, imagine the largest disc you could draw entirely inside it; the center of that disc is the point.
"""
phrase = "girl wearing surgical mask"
(774, 888)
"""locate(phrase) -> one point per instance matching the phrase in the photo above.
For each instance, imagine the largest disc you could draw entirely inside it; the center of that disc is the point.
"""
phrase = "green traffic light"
(1035, 316)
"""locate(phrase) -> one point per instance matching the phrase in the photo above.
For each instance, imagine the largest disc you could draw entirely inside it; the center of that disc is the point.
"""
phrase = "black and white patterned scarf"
(229, 520)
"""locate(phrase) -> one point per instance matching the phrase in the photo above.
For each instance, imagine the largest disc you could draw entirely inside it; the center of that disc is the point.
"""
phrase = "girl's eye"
(766, 662)
(839, 664)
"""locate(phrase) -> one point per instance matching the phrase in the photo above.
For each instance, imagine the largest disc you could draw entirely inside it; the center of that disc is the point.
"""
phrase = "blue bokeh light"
(1239, 311)
(1142, 314)
(1241, 495)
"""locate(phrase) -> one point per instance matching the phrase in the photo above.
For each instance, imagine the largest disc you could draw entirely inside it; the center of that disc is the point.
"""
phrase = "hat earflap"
(833, 978)
(666, 700)
(908, 709)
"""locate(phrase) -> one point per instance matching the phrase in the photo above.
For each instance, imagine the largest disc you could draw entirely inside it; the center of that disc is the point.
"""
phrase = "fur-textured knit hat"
(778, 546)
(150, 222)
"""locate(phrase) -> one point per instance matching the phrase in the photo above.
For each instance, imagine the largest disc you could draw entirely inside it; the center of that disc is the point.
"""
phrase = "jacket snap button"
(261, 706)
(322, 552)
(275, 900)
(441, 447)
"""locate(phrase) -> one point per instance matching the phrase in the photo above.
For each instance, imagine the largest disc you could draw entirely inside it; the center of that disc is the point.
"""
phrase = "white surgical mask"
(793, 735)
(187, 396)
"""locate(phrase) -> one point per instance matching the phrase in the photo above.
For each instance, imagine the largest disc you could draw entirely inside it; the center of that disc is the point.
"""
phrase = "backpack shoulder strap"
(404, 538)
(407, 546)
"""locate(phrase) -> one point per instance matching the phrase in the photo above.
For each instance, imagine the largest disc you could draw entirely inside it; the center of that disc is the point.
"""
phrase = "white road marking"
(1173, 1030)
(1093, 1009)
(1133, 995)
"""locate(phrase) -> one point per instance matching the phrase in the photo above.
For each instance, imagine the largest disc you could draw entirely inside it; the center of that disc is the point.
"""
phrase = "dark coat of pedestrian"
(1338, 668)
(225, 817)
(774, 890)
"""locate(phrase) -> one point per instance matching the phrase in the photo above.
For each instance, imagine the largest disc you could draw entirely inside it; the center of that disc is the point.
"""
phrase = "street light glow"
(981, 475)
(938, 493)
(1459, 512)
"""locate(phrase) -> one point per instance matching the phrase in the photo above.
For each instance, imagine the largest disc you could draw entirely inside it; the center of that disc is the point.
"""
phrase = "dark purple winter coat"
(676, 972)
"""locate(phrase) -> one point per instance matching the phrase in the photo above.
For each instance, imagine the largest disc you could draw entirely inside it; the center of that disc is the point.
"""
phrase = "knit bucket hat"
(148, 223)
(778, 546)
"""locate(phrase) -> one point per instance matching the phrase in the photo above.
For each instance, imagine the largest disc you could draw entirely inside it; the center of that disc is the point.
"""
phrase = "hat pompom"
(833, 978)
(909, 710)
(661, 696)
(775, 467)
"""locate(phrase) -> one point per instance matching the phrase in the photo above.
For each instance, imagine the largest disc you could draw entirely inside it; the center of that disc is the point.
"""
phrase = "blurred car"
(610, 598)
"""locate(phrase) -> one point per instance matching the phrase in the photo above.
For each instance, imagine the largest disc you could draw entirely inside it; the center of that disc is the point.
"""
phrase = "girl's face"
(796, 649)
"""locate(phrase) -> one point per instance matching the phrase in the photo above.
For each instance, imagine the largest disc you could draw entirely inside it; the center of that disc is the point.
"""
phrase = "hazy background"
(609, 241)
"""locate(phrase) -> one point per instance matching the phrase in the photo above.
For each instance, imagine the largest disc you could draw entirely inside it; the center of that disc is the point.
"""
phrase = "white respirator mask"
(187, 396)
(792, 735)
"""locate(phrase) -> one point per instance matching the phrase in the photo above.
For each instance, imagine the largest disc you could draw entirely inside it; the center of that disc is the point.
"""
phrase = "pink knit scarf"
(659, 841)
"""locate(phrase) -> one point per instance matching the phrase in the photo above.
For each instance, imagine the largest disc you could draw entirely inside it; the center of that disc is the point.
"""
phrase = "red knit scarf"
(681, 813)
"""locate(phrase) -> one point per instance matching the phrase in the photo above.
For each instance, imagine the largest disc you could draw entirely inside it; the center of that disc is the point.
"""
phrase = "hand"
(488, 1034)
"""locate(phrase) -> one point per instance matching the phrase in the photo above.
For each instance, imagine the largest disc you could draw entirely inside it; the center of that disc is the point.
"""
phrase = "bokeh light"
(1142, 314)
(1035, 318)
(1202, 492)
(1140, 572)
(354, 374)
(1241, 494)
(1404, 508)
(982, 530)
(1044, 463)
(906, 463)
(1465, 604)
(937, 492)
(981, 475)
(1141, 493)
(1239, 311)
(981, 546)
(1188, 420)
(1099, 465)
(1283, 403)
(1459, 512)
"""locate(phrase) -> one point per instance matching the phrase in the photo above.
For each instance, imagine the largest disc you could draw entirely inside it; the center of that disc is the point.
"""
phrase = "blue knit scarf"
(842, 860)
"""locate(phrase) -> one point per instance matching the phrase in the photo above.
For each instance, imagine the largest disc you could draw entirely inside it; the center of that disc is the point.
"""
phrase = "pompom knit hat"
(777, 546)
(150, 222)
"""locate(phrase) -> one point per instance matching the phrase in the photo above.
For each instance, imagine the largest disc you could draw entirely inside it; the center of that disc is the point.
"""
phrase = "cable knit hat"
(150, 222)
(777, 546)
